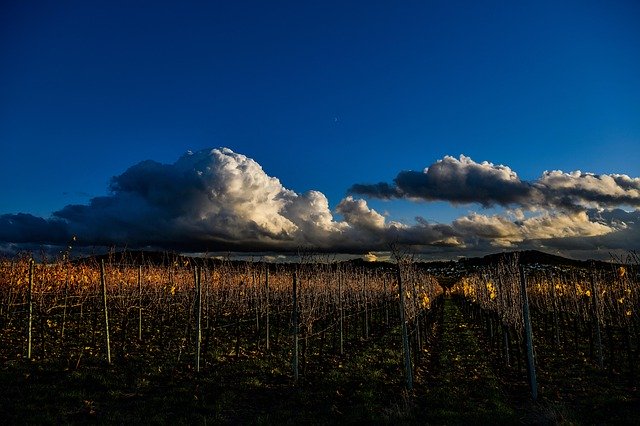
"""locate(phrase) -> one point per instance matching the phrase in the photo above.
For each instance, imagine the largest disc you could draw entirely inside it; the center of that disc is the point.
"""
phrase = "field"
(127, 340)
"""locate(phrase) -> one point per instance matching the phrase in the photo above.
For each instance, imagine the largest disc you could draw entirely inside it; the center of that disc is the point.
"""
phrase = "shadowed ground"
(458, 381)
(462, 387)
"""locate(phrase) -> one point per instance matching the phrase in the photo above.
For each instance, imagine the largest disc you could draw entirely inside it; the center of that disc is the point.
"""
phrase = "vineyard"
(266, 342)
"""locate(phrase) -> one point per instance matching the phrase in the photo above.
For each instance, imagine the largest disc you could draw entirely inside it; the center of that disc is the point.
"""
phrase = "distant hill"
(529, 257)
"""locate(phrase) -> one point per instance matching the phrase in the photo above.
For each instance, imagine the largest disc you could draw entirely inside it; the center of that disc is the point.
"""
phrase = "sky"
(455, 128)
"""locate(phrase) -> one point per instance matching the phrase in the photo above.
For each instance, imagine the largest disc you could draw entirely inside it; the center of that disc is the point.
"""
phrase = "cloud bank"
(463, 181)
(218, 200)
(214, 200)
(456, 181)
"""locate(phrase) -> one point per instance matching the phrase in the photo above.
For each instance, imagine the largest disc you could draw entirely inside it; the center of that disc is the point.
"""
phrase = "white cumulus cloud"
(219, 200)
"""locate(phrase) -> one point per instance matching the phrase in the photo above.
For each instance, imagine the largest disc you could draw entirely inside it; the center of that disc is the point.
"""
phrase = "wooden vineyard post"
(237, 328)
(256, 304)
(386, 304)
(341, 316)
(140, 303)
(30, 301)
(266, 325)
(505, 339)
(405, 336)
(418, 345)
(505, 328)
(531, 364)
(595, 313)
(64, 308)
(366, 313)
(198, 316)
(556, 326)
(294, 320)
(103, 281)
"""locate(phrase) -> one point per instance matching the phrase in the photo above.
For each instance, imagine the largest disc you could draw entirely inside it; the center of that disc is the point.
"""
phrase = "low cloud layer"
(463, 181)
(501, 231)
(215, 200)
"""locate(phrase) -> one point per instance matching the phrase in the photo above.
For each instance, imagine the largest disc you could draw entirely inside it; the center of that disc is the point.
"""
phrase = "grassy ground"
(459, 386)
(245, 390)
(457, 382)
(571, 388)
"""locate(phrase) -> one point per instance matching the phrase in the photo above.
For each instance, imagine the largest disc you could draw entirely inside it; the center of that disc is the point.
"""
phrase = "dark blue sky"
(322, 94)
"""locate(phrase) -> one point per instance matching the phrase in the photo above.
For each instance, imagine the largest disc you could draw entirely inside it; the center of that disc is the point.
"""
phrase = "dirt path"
(461, 386)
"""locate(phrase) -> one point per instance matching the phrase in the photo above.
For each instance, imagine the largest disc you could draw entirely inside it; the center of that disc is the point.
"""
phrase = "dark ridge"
(438, 268)
(530, 257)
